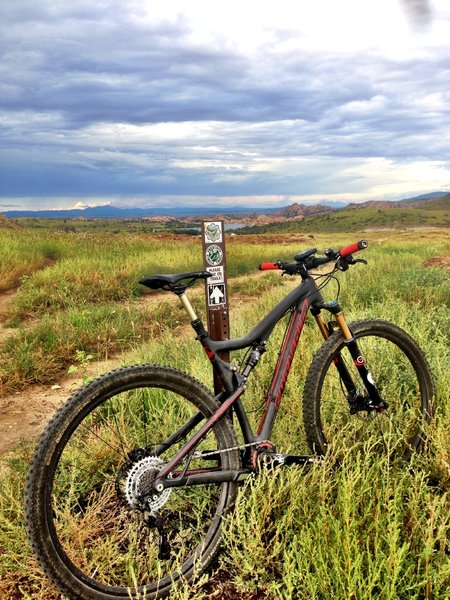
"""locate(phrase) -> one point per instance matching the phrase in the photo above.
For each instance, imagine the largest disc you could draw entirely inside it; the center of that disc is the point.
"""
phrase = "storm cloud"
(109, 100)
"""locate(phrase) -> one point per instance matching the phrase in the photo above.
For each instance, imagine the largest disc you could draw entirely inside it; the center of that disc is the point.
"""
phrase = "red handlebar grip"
(268, 266)
(353, 248)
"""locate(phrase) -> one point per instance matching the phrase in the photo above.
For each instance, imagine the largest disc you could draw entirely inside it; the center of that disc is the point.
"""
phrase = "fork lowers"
(357, 400)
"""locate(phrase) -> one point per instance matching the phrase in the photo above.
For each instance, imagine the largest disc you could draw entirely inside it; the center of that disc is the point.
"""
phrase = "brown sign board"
(216, 292)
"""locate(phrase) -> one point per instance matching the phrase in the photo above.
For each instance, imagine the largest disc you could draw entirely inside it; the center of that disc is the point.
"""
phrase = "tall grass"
(369, 527)
(22, 253)
(43, 352)
(100, 267)
(97, 268)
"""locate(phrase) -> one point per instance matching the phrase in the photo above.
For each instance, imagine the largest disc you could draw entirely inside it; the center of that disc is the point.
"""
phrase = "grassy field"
(372, 528)
(85, 298)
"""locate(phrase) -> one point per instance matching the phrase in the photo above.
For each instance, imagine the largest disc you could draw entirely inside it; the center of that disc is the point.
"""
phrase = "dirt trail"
(439, 261)
(6, 301)
(24, 414)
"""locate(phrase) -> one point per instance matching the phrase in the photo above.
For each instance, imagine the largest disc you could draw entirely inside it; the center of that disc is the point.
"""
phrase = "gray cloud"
(418, 11)
(72, 74)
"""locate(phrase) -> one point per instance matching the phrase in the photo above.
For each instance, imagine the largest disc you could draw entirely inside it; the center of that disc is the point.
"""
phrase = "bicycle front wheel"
(93, 466)
(401, 374)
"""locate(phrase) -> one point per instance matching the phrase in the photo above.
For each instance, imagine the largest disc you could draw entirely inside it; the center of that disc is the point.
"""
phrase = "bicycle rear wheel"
(400, 372)
(91, 469)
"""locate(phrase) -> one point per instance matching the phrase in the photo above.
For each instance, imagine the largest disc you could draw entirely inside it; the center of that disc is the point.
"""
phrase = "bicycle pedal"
(299, 459)
(274, 459)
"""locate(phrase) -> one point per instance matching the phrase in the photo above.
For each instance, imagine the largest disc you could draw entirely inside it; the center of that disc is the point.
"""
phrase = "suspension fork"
(326, 331)
(334, 308)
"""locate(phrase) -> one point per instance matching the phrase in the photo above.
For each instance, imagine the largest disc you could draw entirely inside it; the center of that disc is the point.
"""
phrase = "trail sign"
(214, 261)
(216, 294)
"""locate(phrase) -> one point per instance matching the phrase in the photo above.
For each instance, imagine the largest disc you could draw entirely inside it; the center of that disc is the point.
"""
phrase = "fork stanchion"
(216, 291)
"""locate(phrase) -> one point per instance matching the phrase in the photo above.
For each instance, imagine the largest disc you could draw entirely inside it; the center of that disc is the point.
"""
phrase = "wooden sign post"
(214, 261)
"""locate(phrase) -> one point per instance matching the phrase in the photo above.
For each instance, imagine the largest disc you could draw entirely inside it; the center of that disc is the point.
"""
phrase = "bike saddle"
(173, 282)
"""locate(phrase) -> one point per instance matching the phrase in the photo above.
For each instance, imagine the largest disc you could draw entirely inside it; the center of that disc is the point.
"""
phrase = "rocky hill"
(299, 211)
(5, 222)
(294, 212)
(431, 203)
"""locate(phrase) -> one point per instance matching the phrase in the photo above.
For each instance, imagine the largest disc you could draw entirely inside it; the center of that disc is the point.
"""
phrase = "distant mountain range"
(236, 213)
(114, 212)
(429, 212)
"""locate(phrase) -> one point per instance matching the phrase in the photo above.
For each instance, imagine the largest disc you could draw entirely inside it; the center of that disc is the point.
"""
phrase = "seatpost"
(188, 306)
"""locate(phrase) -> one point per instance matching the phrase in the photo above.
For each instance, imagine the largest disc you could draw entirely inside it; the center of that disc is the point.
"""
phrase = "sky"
(255, 102)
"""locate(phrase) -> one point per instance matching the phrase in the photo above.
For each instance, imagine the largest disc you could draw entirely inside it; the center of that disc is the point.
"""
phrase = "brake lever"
(290, 270)
(345, 261)
(342, 264)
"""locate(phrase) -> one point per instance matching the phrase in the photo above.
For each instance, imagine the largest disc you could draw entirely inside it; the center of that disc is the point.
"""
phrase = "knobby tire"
(85, 535)
(402, 375)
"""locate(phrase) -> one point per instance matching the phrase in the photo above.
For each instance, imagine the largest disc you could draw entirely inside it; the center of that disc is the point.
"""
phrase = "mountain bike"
(133, 476)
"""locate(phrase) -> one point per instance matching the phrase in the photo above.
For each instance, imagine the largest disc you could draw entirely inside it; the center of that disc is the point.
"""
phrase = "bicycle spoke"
(349, 411)
(102, 472)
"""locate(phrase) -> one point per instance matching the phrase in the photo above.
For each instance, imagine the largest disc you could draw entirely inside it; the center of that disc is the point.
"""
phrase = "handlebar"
(356, 247)
(307, 260)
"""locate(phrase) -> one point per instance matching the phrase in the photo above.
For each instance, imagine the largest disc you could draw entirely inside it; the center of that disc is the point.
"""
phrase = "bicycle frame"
(304, 297)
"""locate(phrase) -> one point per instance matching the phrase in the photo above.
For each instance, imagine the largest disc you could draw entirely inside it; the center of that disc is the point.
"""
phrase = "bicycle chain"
(202, 454)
